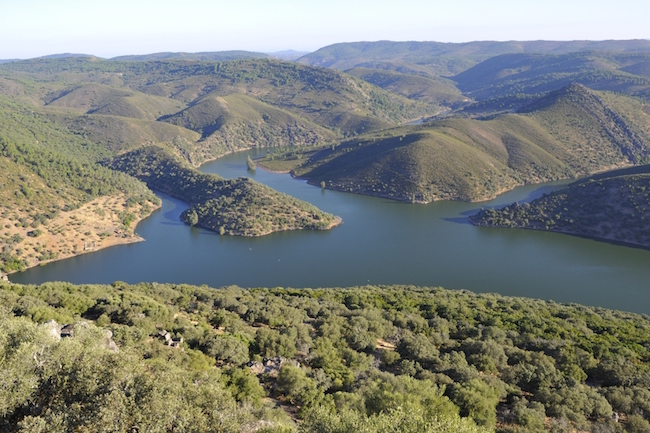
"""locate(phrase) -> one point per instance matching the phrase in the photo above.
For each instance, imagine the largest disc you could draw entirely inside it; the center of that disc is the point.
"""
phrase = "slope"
(238, 121)
(611, 206)
(436, 58)
(568, 133)
(54, 198)
(239, 207)
(434, 91)
(531, 74)
(95, 98)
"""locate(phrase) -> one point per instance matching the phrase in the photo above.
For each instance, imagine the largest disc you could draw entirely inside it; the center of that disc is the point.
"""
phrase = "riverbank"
(610, 207)
(96, 225)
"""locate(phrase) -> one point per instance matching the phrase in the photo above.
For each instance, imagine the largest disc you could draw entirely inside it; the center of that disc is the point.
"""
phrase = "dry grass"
(93, 226)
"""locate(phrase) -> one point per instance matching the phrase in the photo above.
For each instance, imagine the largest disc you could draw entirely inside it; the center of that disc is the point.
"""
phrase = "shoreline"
(565, 232)
(117, 237)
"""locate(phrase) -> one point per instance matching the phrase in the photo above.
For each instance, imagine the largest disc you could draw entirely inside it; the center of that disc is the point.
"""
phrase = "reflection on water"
(380, 242)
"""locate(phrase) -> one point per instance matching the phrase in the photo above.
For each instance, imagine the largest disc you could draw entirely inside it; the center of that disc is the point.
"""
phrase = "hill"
(232, 105)
(289, 55)
(530, 74)
(213, 56)
(435, 91)
(55, 200)
(446, 59)
(611, 206)
(240, 207)
(227, 123)
(362, 359)
(568, 133)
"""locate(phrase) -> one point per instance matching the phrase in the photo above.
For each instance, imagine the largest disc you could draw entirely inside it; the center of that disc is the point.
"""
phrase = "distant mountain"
(568, 133)
(516, 74)
(289, 55)
(437, 58)
(216, 56)
(8, 60)
(67, 56)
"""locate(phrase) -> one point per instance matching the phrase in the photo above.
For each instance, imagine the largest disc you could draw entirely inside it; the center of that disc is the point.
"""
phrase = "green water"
(380, 242)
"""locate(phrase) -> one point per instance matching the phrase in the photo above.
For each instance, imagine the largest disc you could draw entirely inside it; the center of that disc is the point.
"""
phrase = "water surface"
(380, 242)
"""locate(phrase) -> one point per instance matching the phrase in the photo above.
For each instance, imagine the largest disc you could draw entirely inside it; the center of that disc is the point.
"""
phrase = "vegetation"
(228, 206)
(610, 206)
(435, 91)
(340, 360)
(50, 186)
(530, 74)
(218, 107)
(567, 133)
(214, 56)
(445, 59)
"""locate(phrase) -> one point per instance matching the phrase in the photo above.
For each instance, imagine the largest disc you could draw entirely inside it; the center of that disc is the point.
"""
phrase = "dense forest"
(159, 357)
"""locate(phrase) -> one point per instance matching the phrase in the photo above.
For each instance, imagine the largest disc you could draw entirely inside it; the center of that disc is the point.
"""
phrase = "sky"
(32, 28)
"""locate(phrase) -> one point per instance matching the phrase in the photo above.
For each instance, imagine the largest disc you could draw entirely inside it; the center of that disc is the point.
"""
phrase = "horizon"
(37, 28)
(288, 50)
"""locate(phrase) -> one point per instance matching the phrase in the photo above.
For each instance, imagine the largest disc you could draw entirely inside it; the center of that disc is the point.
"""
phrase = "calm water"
(380, 242)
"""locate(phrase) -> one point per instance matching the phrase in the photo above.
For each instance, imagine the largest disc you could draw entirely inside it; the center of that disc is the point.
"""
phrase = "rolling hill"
(514, 74)
(569, 133)
(231, 105)
(437, 58)
(435, 91)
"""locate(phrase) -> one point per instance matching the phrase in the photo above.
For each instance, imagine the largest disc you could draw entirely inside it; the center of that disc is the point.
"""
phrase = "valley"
(299, 219)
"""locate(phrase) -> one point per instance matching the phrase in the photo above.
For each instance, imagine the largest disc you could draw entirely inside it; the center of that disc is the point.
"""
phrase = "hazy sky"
(30, 28)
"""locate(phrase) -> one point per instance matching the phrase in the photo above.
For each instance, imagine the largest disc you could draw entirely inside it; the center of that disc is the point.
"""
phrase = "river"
(380, 242)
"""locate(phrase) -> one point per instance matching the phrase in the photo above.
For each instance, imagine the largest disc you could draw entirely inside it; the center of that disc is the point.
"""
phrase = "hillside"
(530, 74)
(611, 206)
(434, 91)
(96, 98)
(446, 59)
(227, 123)
(55, 201)
(362, 359)
(232, 105)
(568, 133)
(239, 207)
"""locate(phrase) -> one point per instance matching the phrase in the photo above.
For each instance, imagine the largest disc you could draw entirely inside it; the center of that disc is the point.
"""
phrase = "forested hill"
(214, 56)
(568, 133)
(240, 206)
(161, 357)
(54, 198)
(218, 107)
(609, 206)
(450, 58)
(534, 74)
